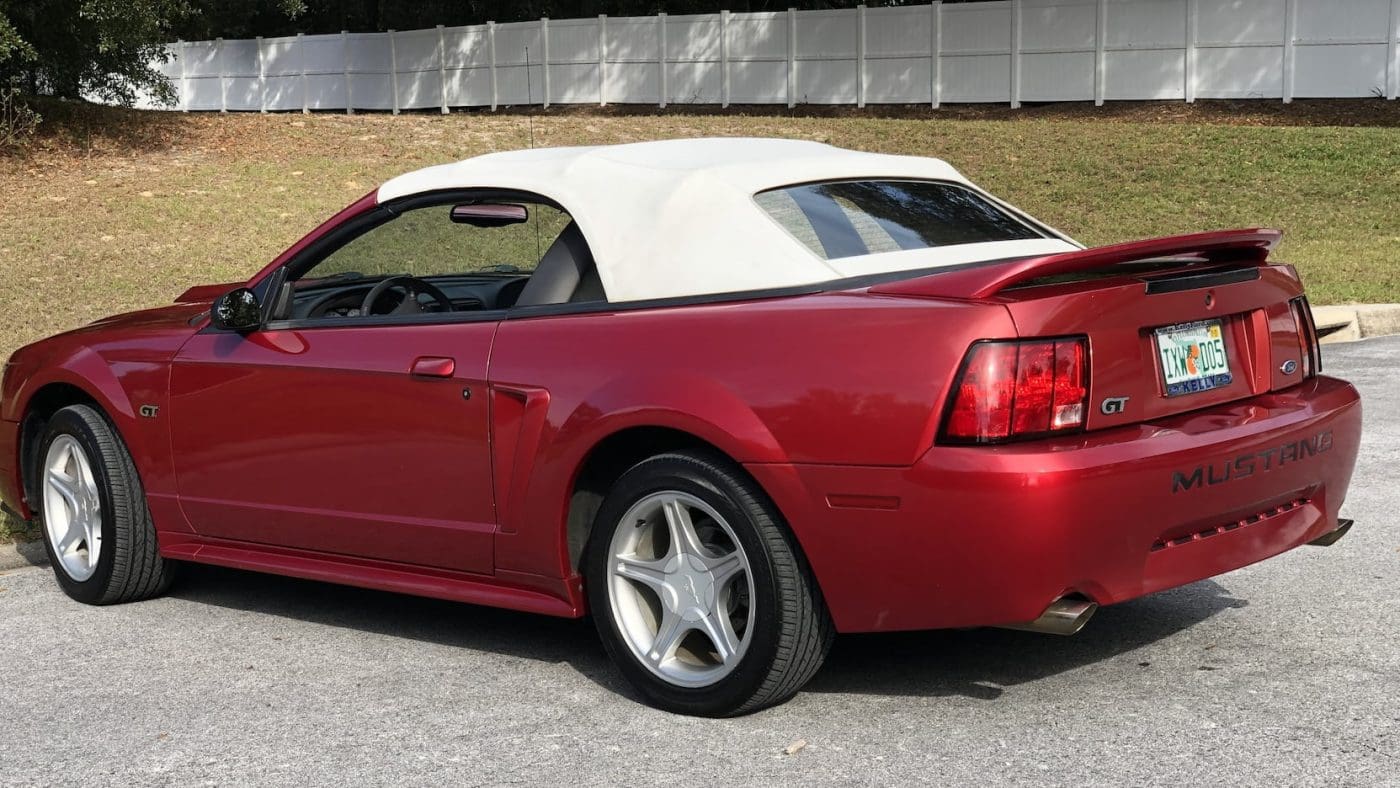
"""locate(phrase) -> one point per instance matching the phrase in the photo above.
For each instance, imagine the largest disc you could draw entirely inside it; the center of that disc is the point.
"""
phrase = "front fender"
(121, 381)
(83, 369)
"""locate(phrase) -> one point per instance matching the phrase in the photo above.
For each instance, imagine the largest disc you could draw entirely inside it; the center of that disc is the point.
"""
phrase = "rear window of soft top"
(838, 219)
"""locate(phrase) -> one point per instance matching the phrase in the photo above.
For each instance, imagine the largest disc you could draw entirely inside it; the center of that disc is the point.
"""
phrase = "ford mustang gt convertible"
(729, 397)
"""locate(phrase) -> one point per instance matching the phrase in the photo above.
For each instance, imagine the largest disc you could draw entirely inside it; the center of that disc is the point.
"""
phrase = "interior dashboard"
(466, 292)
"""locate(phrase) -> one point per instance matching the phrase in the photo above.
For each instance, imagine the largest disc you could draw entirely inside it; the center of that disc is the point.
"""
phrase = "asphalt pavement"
(1286, 672)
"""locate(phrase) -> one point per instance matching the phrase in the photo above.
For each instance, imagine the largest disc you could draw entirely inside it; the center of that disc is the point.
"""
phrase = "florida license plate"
(1193, 357)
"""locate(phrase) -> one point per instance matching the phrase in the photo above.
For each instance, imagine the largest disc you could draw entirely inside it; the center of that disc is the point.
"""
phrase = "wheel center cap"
(692, 588)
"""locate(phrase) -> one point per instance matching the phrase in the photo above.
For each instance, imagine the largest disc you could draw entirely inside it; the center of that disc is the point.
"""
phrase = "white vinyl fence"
(1007, 51)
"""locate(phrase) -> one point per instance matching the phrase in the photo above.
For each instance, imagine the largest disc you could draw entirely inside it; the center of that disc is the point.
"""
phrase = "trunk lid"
(1121, 296)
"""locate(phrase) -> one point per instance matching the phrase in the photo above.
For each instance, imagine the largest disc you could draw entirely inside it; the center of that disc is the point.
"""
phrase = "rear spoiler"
(1250, 246)
(202, 293)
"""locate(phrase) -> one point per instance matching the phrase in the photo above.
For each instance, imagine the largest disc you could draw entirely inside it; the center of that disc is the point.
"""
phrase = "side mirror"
(237, 310)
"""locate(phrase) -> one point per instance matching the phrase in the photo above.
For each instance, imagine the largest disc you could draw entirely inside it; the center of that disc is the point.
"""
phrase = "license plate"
(1193, 357)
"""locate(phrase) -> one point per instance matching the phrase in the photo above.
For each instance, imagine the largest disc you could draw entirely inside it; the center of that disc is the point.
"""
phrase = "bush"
(88, 49)
(18, 121)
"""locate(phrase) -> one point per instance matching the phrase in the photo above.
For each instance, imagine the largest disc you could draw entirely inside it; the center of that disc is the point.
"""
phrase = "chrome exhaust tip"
(1064, 616)
(1333, 536)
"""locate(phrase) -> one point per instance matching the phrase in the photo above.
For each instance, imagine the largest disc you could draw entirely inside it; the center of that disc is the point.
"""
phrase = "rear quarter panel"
(847, 378)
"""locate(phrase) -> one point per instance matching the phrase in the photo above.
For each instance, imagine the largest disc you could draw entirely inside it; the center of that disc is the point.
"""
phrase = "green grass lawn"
(156, 202)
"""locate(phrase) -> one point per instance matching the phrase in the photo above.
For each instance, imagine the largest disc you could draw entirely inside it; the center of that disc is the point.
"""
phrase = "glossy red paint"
(1251, 245)
(817, 389)
(373, 459)
(992, 535)
(1118, 318)
(9, 462)
(119, 363)
(441, 458)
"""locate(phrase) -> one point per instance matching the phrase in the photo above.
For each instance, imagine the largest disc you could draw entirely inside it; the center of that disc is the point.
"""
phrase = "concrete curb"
(16, 555)
(1350, 322)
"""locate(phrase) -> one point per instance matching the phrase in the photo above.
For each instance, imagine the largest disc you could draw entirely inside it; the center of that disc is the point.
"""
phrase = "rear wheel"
(698, 591)
(97, 530)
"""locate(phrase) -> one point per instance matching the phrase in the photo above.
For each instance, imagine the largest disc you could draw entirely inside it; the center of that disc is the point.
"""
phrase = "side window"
(461, 256)
(426, 242)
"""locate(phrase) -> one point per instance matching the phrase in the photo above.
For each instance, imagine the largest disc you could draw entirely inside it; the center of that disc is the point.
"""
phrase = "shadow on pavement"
(472, 627)
(978, 663)
(974, 663)
(14, 555)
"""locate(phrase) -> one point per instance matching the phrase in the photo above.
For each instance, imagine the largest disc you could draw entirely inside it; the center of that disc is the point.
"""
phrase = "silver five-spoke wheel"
(72, 508)
(98, 531)
(681, 589)
(697, 590)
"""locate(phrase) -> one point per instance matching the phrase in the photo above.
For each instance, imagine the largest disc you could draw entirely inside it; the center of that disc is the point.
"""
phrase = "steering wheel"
(411, 286)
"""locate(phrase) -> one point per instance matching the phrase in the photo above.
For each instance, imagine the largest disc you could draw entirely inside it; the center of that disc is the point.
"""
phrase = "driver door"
(345, 433)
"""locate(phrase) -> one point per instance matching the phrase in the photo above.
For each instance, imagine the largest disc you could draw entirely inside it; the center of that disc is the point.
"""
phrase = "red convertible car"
(728, 396)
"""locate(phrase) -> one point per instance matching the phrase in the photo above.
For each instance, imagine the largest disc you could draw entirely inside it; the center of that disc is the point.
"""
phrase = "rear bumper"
(980, 536)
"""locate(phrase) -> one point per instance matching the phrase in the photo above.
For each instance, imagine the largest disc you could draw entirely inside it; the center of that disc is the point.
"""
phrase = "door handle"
(433, 367)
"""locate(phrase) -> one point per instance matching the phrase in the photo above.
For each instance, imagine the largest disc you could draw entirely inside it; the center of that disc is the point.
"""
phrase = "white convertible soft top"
(678, 217)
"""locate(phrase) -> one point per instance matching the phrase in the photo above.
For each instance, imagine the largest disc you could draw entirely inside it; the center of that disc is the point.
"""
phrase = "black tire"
(129, 565)
(792, 630)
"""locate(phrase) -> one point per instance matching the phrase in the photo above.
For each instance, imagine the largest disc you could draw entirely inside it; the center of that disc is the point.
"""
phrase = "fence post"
(393, 72)
(184, 81)
(1015, 87)
(661, 57)
(262, 78)
(723, 58)
(345, 70)
(223, 72)
(1290, 32)
(1192, 30)
(305, 93)
(544, 61)
(792, 57)
(491, 47)
(602, 60)
(860, 56)
(442, 68)
(1392, 59)
(1100, 62)
(935, 54)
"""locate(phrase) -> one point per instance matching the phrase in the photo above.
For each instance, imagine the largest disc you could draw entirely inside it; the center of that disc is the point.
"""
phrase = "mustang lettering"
(1245, 465)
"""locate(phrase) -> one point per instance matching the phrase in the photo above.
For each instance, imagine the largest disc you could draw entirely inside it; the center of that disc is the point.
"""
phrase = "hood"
(150, 333)
(181, 315)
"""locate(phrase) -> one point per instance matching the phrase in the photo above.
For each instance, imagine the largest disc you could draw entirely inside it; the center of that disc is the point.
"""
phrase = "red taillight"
(1018, 389)
(982, 406)
(1307, 336)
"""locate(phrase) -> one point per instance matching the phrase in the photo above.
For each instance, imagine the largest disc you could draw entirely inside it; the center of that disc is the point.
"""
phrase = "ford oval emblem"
(1289, 367)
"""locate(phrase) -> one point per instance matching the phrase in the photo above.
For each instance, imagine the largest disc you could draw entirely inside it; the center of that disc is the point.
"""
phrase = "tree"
(106, 50)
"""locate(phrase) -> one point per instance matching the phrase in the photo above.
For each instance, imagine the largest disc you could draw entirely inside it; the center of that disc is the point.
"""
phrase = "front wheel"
(698, 591)
(97, 530)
